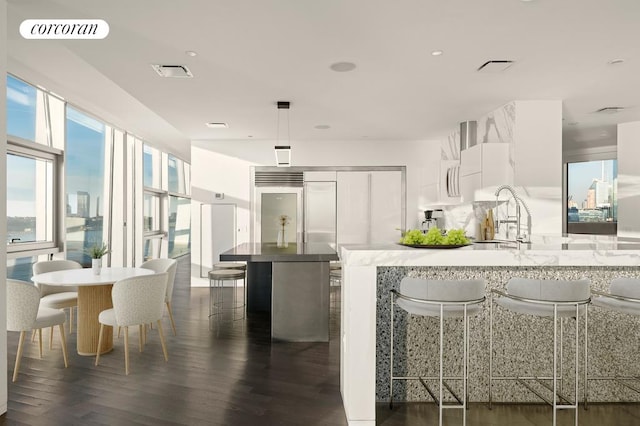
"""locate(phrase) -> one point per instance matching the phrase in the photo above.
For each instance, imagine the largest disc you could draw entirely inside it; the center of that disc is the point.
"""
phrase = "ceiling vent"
(174, 71)
(609, 110)
(495, 66)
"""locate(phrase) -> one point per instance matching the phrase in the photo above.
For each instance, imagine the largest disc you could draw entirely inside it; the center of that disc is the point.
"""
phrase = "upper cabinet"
(484, 166)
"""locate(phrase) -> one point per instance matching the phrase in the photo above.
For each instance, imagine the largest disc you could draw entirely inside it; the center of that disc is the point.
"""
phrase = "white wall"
(538, 162)
(533, 129)
(224, 167)
(3, 208)
(629, 179)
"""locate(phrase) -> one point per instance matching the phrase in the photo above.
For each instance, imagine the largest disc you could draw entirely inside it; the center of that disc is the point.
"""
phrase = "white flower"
(283, 219)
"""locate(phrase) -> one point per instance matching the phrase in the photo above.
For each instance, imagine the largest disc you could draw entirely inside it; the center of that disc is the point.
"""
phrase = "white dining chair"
(169, 266)
(24, 313)
(136, 301)
(56, 297)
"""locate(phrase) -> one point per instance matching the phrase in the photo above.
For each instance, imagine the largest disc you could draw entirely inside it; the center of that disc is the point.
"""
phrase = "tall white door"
(320, 212)
(217, 233)
(353, 207)
(386, 206)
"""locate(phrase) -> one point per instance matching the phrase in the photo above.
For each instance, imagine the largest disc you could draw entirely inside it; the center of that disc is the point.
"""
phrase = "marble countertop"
(566, 250)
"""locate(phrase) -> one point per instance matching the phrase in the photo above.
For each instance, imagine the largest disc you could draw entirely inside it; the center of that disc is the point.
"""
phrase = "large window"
(179, 226)
(85, 182)
(30, 199)
(167, 217)
(21, 109)
(118, 190)
(592, 204)
(151, 214)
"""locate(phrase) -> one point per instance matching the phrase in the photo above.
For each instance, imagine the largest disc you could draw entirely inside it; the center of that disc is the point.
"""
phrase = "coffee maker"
(433, 218)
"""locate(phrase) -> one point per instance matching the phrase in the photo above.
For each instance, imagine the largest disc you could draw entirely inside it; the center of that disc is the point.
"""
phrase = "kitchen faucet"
(519, 203)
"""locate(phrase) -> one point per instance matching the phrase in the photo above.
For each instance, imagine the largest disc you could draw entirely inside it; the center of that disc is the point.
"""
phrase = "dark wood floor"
(231, 374)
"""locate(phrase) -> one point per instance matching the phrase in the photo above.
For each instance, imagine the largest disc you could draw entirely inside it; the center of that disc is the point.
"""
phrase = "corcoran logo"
(64, 29)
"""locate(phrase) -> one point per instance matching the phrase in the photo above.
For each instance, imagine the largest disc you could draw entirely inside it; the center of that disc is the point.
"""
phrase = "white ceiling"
(252, 53)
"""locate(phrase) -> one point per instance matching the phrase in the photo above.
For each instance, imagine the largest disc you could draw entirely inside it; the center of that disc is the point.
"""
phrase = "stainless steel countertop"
(268, 252)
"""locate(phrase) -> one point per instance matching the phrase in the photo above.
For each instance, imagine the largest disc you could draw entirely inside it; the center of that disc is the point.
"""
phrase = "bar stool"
(442, 299)
(229, 265)
(623, 297)
(557, 299)
(217, 277)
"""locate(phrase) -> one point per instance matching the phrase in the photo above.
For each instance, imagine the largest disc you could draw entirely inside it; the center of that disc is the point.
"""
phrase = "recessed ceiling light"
(615, 61)
(191, 53)
(437, 53)
(322, 127)
(213, 125)
(343, 66)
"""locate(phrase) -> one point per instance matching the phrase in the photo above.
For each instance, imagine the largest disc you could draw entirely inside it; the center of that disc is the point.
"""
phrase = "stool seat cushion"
(226, 274)
(564, 311)
(440, 291)
(429, 310)
(546, 291)
(631, 308)
(625, 287)
(229, 265)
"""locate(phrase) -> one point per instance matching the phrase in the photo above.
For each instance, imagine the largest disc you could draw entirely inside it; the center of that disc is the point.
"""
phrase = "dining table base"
(91, 301)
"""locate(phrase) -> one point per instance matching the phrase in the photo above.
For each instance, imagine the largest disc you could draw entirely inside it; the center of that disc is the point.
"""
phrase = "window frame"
(25, 148)
(588, 228)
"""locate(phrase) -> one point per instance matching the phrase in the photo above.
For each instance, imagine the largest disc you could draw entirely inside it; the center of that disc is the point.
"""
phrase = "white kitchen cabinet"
(469, 184)
(369, 206)
(484, 166)
(353, 207)
(386, 206)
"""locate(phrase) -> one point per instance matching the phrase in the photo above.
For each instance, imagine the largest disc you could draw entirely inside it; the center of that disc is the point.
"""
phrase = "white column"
(3, 206)
(358, 343)
(629, 179)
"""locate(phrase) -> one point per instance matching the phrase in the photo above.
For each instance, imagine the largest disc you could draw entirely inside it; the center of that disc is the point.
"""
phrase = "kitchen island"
(370, 272)
(292, 283)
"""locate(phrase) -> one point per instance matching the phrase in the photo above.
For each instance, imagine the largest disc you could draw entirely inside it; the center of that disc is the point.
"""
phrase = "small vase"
(281, 241)
(96, 265)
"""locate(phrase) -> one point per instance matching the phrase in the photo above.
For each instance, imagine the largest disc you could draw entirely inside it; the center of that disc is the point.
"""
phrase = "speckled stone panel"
(523, 345)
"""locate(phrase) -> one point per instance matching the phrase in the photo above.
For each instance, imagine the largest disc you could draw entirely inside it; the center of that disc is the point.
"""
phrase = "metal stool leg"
(441, 374)
(490, 349)
(586, 365)
(391, 358)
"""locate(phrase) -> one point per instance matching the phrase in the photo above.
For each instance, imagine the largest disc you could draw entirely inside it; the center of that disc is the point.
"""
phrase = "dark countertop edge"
(292, 257)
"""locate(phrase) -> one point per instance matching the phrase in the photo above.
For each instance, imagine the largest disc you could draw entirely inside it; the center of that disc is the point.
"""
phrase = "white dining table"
(94, 296)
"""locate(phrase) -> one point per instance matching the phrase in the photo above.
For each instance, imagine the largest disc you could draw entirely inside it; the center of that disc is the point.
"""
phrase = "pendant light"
(283, 152)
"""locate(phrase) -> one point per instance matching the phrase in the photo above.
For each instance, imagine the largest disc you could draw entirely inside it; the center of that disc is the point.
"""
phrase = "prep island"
(370, 272)
(292, 283)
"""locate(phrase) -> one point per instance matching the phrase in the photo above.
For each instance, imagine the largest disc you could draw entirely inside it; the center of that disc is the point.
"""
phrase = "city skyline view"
(580, 177)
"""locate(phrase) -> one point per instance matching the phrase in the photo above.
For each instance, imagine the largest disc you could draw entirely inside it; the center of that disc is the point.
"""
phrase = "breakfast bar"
(371, 271)
(292, 283)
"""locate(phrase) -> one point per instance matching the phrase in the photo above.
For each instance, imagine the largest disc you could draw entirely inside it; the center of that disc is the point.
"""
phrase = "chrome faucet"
(525, 238)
